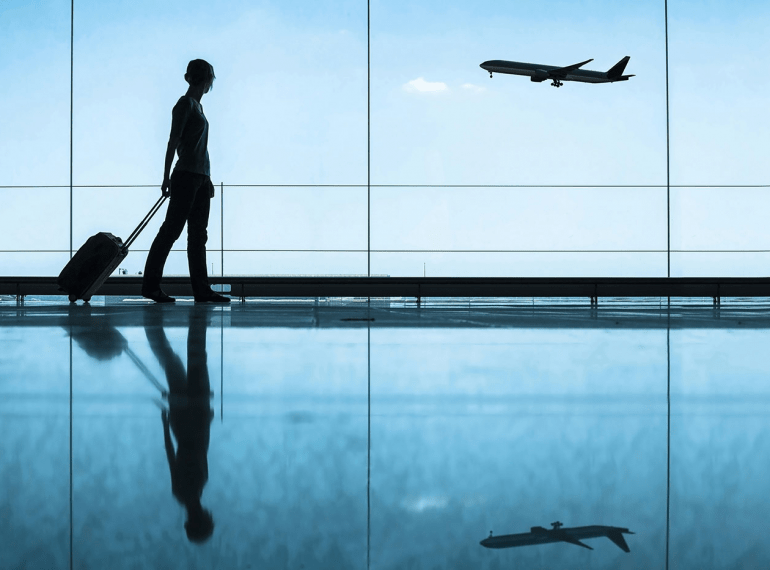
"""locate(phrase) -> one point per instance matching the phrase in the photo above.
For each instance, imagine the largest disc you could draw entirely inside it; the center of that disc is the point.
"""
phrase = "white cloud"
(421, 504)
(419, 85)
(474, 88)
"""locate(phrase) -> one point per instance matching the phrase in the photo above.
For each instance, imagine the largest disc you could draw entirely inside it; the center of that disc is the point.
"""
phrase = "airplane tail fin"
(617, 69)
(619, 540)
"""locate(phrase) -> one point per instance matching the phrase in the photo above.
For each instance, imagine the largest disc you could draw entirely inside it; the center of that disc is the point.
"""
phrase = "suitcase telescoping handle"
(147, 374)
(144, 222)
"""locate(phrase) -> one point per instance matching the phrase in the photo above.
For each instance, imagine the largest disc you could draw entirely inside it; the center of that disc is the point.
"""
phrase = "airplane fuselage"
(539, 72)
(574, 535)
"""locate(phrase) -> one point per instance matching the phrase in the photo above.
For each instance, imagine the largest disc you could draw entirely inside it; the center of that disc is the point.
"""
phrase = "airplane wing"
(575, 541)
(614, 533)
(562, 72)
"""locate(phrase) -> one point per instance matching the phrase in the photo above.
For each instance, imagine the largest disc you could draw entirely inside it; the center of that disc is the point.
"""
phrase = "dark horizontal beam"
(245, 286)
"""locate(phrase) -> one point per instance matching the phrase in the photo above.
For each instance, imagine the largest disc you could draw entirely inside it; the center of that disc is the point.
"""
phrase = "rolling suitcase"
(97, 259)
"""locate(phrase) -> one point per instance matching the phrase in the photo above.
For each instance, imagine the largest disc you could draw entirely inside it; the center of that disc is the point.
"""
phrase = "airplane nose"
(484, 65)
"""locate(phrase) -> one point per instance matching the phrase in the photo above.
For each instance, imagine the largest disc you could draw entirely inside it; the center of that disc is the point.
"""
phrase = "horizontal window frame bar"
(582, 186)
(427, 250)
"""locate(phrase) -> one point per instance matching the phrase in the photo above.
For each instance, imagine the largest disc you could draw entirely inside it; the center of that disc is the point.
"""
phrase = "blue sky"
(289, 107)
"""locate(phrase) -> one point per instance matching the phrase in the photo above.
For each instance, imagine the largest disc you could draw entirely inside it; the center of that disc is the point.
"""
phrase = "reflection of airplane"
(538, 72)
(540, 535)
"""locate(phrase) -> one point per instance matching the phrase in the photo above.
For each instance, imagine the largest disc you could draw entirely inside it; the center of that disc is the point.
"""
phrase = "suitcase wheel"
(86, 299)
(73, 298)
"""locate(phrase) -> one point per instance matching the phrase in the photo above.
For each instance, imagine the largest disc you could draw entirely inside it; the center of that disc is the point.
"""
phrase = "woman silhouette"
(190, 191)
(188, 417)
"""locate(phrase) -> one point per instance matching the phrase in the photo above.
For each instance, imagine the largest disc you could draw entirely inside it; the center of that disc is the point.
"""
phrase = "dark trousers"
(190, 201)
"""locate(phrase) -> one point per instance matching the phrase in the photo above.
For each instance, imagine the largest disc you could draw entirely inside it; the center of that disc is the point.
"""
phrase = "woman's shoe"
(158, 296)
(211, 297)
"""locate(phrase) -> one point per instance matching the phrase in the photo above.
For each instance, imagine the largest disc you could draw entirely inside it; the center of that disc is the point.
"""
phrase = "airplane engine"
(540, 75)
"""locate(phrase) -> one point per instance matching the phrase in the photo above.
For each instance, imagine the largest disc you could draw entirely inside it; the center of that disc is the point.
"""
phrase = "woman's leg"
(197, 236)
(198, 385)
(182, 196)
(161, 348)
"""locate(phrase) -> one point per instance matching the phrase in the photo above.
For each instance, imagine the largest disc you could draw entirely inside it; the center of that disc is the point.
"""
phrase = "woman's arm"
(173, 143)
(179, 115)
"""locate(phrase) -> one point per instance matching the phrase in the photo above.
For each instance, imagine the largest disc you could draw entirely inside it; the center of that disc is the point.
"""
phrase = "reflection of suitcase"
(97, 259)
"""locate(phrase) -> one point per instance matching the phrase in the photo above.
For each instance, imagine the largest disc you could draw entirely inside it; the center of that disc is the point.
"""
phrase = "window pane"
(34, 463)
(519, 231)
(35, 98)
(438, 118)
(288, 104)
(479, 430)
(719, 408)
(718, 91)
(34, 239)
(719, 231)
(291, 230)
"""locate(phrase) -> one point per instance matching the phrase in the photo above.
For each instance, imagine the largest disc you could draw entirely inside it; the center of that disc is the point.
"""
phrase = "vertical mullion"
(668, 434)
(368, 144)
(368, 440)
(72, 90)
(222, 226)
(668, 156)
(71, 459)
(222, 366)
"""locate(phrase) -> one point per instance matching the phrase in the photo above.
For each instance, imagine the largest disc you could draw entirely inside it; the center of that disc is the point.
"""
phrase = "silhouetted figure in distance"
(189, 418)
(190, 191)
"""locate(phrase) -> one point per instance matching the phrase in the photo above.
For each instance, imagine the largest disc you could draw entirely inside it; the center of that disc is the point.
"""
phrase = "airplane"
(539, 73)
(540, 535)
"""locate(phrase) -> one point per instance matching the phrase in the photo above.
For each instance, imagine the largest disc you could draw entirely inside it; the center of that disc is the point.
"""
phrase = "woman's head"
(200, 73)
(199, 525)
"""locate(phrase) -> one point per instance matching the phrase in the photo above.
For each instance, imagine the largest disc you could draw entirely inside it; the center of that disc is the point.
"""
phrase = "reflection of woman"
(189, 418)
(190, 190)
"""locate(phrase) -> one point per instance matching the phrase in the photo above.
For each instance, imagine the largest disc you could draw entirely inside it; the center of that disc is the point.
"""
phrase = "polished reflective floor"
(320, 435)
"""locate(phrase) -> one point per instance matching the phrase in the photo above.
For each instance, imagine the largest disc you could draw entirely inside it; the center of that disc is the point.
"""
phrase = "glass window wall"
(302, 120)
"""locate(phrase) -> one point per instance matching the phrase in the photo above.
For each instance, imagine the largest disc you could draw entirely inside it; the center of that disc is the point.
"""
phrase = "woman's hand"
(164, 187)
(211, 189)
